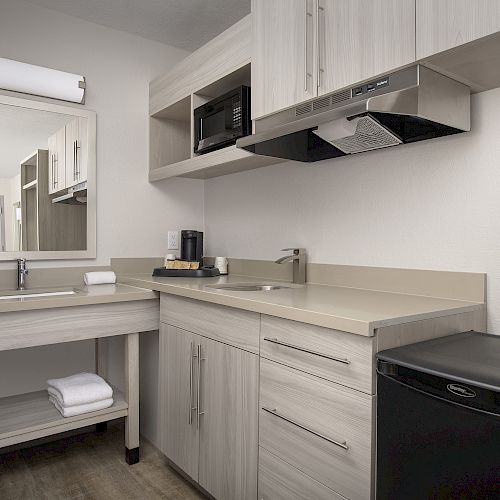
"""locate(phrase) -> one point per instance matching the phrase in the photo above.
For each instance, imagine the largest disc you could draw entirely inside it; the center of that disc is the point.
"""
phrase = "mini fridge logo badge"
(461, 390)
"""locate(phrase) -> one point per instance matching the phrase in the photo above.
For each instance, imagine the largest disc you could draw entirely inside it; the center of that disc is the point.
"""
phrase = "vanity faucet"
(22, 272)
(298, 258)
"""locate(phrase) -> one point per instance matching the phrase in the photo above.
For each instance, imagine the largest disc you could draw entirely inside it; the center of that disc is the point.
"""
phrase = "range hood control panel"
(370, 87)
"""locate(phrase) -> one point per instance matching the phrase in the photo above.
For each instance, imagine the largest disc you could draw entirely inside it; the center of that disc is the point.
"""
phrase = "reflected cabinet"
(47, 180)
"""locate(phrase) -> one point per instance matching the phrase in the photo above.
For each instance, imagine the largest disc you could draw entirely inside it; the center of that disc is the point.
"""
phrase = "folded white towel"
(79, 409)
(99, 277)
(79, 389)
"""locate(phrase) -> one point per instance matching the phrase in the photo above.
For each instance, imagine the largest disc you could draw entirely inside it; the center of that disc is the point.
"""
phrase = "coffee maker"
(191, 245)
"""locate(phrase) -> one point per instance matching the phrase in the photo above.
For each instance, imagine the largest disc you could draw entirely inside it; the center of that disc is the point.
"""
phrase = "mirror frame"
(91, 251)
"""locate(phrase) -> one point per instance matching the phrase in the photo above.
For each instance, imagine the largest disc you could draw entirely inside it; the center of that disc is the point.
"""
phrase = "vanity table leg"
(99, 369)
(132, 394)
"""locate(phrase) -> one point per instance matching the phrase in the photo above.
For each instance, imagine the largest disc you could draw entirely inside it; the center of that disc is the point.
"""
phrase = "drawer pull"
(309, 351)
(274, 411)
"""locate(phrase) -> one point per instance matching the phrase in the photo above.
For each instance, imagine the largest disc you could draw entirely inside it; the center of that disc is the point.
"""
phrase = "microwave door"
(216, 129)
(213, 124)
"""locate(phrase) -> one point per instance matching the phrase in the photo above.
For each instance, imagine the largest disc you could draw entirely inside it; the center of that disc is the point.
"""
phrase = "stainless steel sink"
(250, 287)
(27, 294)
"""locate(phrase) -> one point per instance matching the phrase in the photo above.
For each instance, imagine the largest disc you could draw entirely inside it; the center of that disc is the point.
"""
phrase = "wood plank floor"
(89, 467)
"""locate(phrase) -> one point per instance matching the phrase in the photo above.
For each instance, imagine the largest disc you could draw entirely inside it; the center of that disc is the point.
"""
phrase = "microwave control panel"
(237, 112)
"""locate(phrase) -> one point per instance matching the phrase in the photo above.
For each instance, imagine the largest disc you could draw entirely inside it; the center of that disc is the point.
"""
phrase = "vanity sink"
(250, 287)
(27, 294)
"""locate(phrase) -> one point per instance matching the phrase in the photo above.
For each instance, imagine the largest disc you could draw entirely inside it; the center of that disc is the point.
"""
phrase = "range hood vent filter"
(356, 135)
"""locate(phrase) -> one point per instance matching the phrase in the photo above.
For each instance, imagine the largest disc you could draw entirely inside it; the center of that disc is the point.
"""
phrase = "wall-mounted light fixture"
(45, 82)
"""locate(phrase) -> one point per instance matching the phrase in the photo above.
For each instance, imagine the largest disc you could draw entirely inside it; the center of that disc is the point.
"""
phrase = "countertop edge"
(349, 325)
(136, 293)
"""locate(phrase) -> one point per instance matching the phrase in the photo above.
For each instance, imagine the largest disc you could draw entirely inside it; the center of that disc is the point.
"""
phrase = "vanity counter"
(353, 310)
(84, 295)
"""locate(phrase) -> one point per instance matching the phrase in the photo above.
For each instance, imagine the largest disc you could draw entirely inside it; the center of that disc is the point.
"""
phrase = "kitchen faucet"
(22, 272)
(298, 258)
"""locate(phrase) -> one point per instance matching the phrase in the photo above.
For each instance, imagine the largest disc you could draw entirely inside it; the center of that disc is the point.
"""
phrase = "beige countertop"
(352, 310)
(84, 295)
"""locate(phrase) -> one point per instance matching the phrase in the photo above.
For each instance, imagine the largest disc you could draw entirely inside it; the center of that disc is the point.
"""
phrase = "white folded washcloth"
(79, 389)
(71, 411)
(99, 277)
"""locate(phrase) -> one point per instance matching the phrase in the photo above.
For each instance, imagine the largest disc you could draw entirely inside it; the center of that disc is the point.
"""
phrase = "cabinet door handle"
(55, 174)
(307, 14)
(77, 166)
(74, 160)
(318, 23)
(52, 169)
(192, 408)
(344, 361)
(198, 400)
(274, 411)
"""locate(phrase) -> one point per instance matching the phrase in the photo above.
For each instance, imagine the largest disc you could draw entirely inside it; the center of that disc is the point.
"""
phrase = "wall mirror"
(47, 180)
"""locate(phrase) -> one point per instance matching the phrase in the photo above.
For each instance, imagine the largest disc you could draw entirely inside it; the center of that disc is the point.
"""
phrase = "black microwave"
(221, 121)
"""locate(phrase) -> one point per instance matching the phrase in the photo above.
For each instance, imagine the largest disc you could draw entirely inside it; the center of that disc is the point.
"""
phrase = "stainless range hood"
(76, 195)
(406, 106)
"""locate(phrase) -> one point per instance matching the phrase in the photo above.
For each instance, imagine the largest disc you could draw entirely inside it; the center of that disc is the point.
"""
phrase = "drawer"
(224, 324)
(321, 428)
(341, 357)
(280, 481)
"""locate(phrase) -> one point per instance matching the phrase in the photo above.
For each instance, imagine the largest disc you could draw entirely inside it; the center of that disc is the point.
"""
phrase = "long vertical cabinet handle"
(77, 147)
(52, 169)
(319, 12)
(192, 408)
(55, 177)
(74, 160)
(305, 45)
(198, 401)
(307, 15)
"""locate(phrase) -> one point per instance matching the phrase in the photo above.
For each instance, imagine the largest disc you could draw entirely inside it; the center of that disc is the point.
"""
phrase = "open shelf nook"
(217, 68)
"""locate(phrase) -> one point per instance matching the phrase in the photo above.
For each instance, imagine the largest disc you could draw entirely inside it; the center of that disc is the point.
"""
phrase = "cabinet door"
(229, 422)
(359, 39)
(283, 59)
(445, 24)
(57, 161)
(76, 151)
(177, 395)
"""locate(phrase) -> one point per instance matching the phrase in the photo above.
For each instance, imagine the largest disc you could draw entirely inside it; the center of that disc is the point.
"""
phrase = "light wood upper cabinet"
(283, 59)
(76, 147)
(57, 161)
(306, 48)
(359, 39)
(444, 24)
(229, 424)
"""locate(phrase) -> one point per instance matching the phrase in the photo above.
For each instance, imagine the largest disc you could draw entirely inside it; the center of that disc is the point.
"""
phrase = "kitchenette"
(249, 250)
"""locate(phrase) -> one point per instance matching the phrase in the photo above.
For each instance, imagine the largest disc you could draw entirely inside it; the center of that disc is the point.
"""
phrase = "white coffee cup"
(221, 264)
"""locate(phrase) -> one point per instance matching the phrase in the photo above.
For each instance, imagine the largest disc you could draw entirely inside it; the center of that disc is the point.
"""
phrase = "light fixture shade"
(37, 80)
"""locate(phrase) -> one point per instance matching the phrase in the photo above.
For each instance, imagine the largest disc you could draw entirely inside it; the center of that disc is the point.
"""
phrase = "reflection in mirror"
(43, 180)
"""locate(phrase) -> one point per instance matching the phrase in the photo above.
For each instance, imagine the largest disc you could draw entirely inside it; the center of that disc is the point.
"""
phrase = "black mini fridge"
(438, 419)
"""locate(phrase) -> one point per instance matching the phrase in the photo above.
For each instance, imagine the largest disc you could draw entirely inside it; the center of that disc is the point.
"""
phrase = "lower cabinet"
(179, 432)
(209, 412)
(320, 428)
(279, 480)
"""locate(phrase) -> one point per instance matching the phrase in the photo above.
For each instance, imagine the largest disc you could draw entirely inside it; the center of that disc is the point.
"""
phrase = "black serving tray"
(204, 272)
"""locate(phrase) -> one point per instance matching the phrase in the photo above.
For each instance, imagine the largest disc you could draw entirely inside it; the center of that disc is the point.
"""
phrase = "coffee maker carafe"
(191, 245)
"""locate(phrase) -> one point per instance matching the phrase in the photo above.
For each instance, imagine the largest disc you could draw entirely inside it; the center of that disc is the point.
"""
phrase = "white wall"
(133, 216)
(431, 205)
